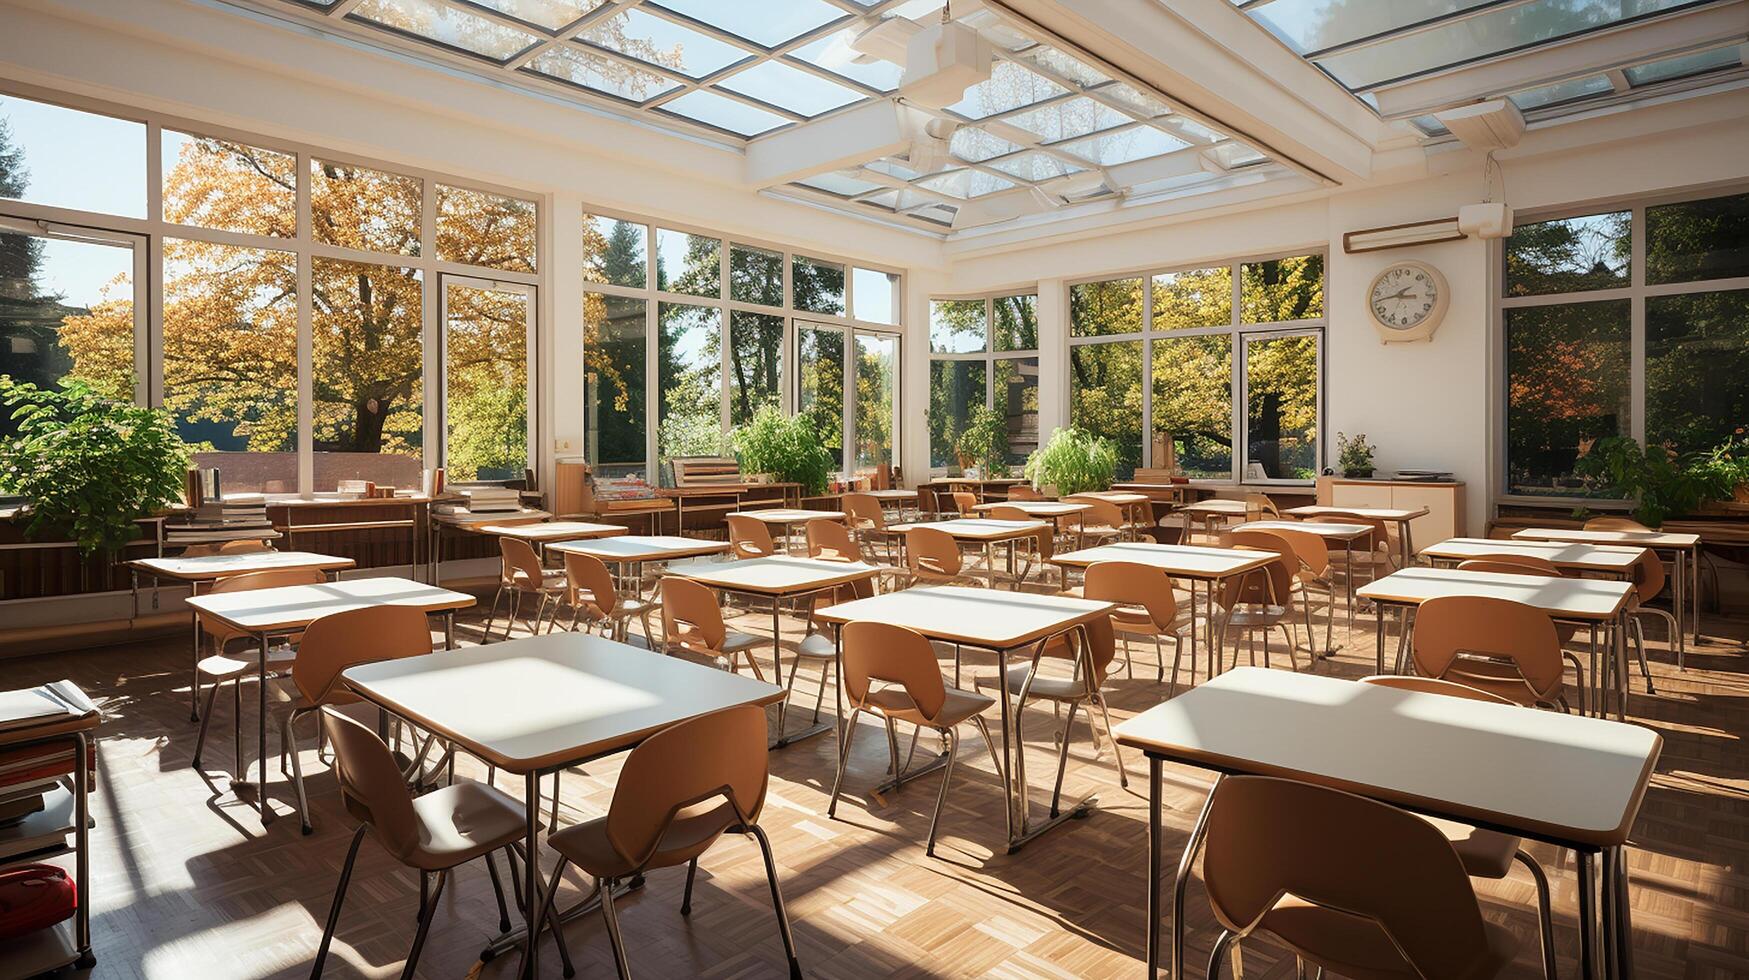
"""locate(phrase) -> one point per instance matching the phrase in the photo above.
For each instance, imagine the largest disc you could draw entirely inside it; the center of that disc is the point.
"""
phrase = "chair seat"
(462, 821)
(1265, 616)
(226, 666)
(959, 705)
(1357, 947)
(588, 847)
(551, 580)
(817, 646)
(1485, 853)
(1050, 687)
(734, 642)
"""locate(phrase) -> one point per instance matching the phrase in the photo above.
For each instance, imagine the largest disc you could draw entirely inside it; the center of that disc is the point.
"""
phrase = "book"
(34, 706)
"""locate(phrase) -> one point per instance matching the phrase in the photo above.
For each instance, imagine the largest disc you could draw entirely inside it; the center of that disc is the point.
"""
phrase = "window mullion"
(1637, 325)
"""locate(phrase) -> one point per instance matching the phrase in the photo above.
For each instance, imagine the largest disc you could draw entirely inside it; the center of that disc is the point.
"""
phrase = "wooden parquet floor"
(186, 882)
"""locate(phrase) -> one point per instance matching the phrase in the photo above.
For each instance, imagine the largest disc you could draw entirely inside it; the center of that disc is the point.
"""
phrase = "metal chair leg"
(789, 942)
(288, 738)
(843, 761)
(1123, 775)
(953, 749)
(1063, 757)
(492, 614)
(339, 897)
(424, 926)
(237, 728)
(1220, 950)
(206, 717)
(686, 897)
(893, 748)
(498, 893)
(550, 918)
(612, 919)
(1545, 918)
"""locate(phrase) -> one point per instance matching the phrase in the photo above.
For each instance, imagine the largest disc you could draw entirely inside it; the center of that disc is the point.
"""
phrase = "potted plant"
(1662, 483)
(984, 443)
(1073, 461)
(89, 466)
(1729, 462)
(791, 448)
(1354, 456)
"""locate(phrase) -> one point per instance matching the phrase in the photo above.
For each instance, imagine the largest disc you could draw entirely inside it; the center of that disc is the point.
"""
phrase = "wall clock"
(1406, 301)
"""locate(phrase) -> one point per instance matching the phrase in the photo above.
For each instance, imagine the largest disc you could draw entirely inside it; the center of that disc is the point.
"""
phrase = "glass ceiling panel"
(1058, 63)
(839, 183)
(1034, 166)
(1009, 87)
(550, 14)
(1123, 146)
(446, 26)
(723, 112)
(1685, 65)
(581, 66)
(835, 54)
(1567, 91)
(941, 214)
(1313, 25)
(1068, 119)
(660, 41)
(893, 168)
(764, 23)
(965, 183)
(790, 88)
(1133, 99)
(976, 145)
(898, 199)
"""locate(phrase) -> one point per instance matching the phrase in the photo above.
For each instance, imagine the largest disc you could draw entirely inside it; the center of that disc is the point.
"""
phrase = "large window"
(1229, 349)
(983, 352)
(1631, 322)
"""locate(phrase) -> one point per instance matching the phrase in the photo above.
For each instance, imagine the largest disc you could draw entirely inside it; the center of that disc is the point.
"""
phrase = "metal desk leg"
(1679, 606)
(1007, 741)
(1182, 880)
(449, 630)
(1405, 539)
(82, 840)
(1620, 659)
(534, 902)
(1623, 926)
(1192, 584)
(1611, 954)
(1155, 845)
(1587, 915)
(194, 659)
(1379, 637)
(990, 563)
(261, 731)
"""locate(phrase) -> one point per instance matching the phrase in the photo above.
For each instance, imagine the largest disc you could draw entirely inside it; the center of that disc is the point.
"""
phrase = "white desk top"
(546, 701)
(979, 529)
(471, 521)
(1337, 532)
(1039, 508)
(207, 568)
(553, 530)
(1560, 777)
(777, 575)
(1184, 560)
(1234, 508)
(889, 494)
(780, 515)
(979, 617)
(1563, 598)
(1376, 513)
(1587, 557)
(640, 547)
(1645, 539)
(1122, 498)
(294, 607)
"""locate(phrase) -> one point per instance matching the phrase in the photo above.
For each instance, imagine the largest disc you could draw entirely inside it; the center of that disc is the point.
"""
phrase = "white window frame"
(988, 354)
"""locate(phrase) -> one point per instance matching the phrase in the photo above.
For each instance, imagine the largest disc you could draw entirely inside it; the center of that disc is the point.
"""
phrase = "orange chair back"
(357, 636)
(1648, 577)
(1433, 685)
(866, 509)
(1500, 629)
(750, 538)
(829, 540)
(1024, 491)
(965, 504)
(274, 578)
(1258, 507)
(371, 784)
(1100, 512)
(1379, 540)
(894, 655)
(1133, 586)
(1511, 565)
(691, 618)
(587, 581)
(1101, 650)
(1614, 524)
(521, 568)
(1313, 553)
(1272, 588)
(930, 549)
(721, 755)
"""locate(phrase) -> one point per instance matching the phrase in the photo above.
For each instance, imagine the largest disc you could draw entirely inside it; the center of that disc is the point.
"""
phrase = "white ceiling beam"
(844, 139)
(1691, 29)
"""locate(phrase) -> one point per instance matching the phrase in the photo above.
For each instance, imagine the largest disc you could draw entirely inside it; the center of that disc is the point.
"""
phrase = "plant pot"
(1353, 474)
(1741, 493)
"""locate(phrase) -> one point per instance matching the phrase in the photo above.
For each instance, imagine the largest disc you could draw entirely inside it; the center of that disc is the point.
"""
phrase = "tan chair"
(1614, 524)
(830, 540)
(868, 519)
(932, 557)
(1349, 884)
(1258, 507)
(220, 667)
(1649, 580)
(678, 792)
(965, 503)
(1374, 554)
(1262, 600)
(1503, 647)
(432, 834)
(227, 548)
(1511, 565)
(332, 644)
(692, 624)
(749, 538)
(1039, 552)
(1090, 651)
(595, 600)
(520, 573)
(1103, 519)
(1147, 608)
(929, 502)
(1485, 853)
(1024, 491)
(916, 694)
(1313, 568)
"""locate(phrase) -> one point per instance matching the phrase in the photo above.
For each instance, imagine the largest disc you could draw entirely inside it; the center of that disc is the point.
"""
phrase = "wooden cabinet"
(1444, 502)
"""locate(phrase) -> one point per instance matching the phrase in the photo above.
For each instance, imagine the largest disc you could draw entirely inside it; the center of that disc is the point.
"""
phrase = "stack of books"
(33, 777)
(622, 488)
(239, 517)
(481, 500)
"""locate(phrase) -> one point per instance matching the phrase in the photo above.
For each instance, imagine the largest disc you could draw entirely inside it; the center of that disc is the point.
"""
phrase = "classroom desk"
(1390, 515)
(545, 703)
(1001, 622)
(267, 613)
(1684, 550)
(782, 520)
(207, 569)
(983, 487)
(1345, 534)
(545, 533)
(1571, 781)
(1211, 511)
(1137, 508)
(1589, 602)
(1047, 510)
(779, 578)
(985, 532)
(1611, 560)
(629, 553)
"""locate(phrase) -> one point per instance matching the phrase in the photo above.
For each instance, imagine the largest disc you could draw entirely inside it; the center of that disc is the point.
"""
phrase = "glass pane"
(1123, 146)
(449, 27)
(689, 381)
(1193, 406)
(593, 70)
(369, 374)
(1009, 87)
(485, 382)
(1098, 309)
(1697, 368)
(877, 295)
(840, 183)
(71, 159)
(1281, 408)
(491, 230)
(701, 105)
(1016, 395)
(690, 264)
(1698, 240)
(550, 14)
(1685, 65)
(818, 286)
(1567, 377)
(755, 364)
(1560, 92)
(1016, 322)
(835, 54)
(613, 365)
(1033, 165)
(767, 24)
(613, 251)
(755, 275)
(1054, 61)
(1312, 25)
(660, 41)
(974, 144)
(1067, 119)
(801, 92)
(66, 311)
(1196, 298)
(955, 388)
(231, 360)
(820, 388)
(1569, 255)
(956, 326)
(1105, 397)
(877, 400)
(1282, 289)
(356, 207)
(214, 183)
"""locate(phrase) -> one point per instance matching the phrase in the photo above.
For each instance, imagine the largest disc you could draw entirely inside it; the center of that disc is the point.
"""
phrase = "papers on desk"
(45, 705)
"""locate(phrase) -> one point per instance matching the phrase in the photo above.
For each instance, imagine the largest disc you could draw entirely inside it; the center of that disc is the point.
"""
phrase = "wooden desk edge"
(825, 616)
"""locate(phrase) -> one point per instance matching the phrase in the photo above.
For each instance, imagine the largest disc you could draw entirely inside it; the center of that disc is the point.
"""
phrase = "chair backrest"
(1433, 685)
(273, 578)
(928, 499)
(1007, 512)
(253, 547)
(718, 755)
(691, 617)
(1100, 512)
(1380, 539)
(965, 503)
(829, 540)
(1311, 550)
(930, 549)
(1510, 565)
(371, 784)
(1275, 586)
(588, 580)
(521, 567)
(896, 655)
(1046, 538)
(1500, 629)
(1259, 506)
(1024, 491)
(357, 636)
(750, 538)
(1133, 586)
(1271, 837)
(1614, 524)
(1648, 576)
(865, 507)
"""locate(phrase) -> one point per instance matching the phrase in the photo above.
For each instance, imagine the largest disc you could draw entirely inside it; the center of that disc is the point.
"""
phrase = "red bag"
(34, 897)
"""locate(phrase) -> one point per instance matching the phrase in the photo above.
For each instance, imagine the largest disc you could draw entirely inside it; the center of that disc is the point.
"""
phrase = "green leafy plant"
(89, 465)
(792, 448)
(1662, 483)
(985, 441)
(1073, 461)
(1729, 464)
(1354, 456)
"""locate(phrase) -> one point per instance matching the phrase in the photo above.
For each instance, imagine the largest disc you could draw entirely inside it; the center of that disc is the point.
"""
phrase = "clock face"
(1403, 296)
